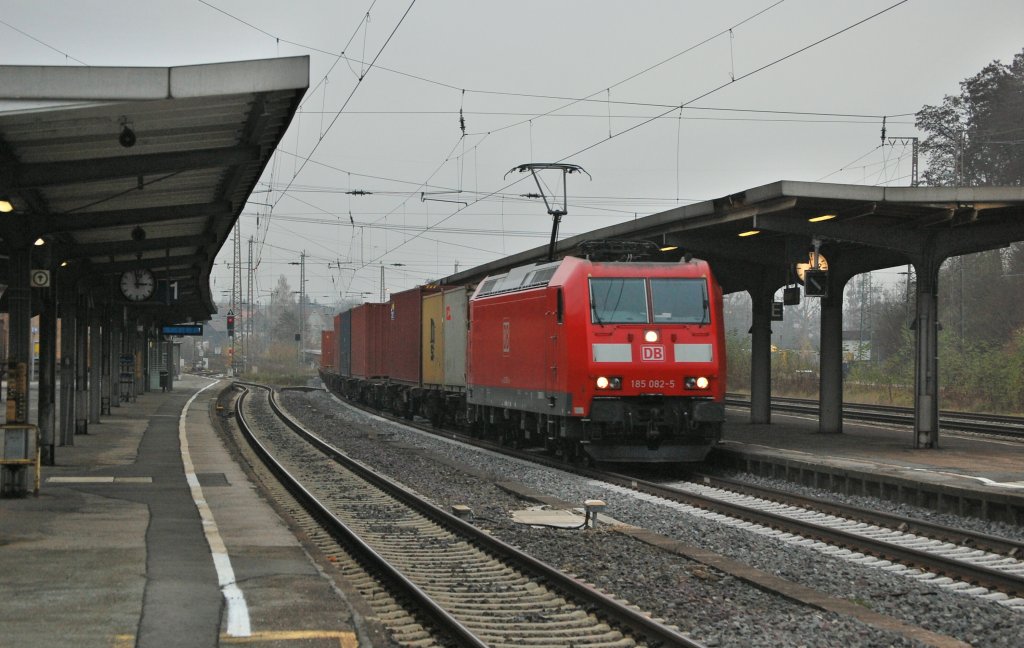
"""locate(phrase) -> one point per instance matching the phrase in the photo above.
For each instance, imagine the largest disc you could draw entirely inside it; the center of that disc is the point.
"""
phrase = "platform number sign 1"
(815, 283)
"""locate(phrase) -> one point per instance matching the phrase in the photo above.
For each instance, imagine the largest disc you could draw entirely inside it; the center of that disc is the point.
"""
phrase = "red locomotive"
(604, 361)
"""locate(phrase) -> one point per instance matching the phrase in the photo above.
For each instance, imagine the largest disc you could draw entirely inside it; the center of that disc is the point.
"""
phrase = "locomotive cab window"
(680, 301)
(618, 301)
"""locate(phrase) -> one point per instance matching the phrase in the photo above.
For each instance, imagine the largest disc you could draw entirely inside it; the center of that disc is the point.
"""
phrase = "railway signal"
(815, 283)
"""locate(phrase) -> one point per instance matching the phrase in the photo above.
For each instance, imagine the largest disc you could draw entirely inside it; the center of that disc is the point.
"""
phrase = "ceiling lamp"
(39, 241)
(749, 233)
(6, 206)
(823, 217)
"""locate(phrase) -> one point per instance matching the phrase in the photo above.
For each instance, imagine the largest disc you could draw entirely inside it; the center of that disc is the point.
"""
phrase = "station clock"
(138, 285)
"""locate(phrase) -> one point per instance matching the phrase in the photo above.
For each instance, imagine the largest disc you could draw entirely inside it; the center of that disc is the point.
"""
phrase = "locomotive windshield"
(680, 301)
(618, 301)
(624, 301)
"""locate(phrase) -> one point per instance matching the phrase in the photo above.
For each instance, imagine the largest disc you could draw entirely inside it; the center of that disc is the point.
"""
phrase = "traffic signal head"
(231, 325)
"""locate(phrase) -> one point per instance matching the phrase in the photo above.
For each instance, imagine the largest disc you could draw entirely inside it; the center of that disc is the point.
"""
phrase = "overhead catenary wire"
(351, 94)
(462, 91)
(684, 104)
(856, 119)
(743, 76)
(43, 43)
(347, 100)
(338, 56)
(608, 97)
(404, 242)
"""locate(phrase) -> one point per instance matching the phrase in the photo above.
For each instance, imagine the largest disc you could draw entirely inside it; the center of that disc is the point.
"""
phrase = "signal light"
(231, 325)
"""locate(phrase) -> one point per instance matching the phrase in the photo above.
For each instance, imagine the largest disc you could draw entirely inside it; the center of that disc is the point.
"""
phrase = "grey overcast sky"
(680, 101)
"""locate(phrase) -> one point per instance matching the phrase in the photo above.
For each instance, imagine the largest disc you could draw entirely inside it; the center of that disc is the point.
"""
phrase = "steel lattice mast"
(236, 290)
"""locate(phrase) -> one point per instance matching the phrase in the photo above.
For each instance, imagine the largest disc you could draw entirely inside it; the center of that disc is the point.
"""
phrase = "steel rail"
(364, 552)
(602, 605)
(985, 542)
(976, 574)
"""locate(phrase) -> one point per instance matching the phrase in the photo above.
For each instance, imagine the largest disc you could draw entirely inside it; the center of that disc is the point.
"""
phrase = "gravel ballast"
(715, 608)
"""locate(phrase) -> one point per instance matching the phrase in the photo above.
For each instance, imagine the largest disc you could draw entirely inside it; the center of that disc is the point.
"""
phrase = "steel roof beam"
(99, 220)
(901, 240)
(170, 263)
(133, 247)
(46, 174)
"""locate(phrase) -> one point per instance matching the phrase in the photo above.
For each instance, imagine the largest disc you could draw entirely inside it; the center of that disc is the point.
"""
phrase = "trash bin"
(164, 377)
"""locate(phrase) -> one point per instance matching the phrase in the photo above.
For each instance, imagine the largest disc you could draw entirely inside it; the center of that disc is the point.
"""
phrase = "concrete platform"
(147, 533)
(966, 474)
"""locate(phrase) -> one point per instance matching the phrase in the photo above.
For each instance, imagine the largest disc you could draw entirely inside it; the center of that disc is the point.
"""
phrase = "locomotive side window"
(680, 301)
(618, 301)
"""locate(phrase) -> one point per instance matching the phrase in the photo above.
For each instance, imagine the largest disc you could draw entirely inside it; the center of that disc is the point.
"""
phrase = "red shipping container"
(402, 336)
(368, 322)
(328, 356)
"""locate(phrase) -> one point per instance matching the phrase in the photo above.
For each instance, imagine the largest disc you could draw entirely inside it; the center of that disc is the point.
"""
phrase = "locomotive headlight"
(605, 382)
(650, 336)
(696, 383)
(602, 383)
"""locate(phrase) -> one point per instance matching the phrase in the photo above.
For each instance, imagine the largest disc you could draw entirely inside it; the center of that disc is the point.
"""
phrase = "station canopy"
(124, 168)
(754, 238)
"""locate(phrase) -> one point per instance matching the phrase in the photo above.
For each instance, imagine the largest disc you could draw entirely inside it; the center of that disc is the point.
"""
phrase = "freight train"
(611, 362)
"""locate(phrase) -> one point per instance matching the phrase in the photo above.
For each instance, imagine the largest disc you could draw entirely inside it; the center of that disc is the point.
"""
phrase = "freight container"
(368, 321)
(432, 337)
(456, 332)
(343, 342)
(328, 351)
(403, 335)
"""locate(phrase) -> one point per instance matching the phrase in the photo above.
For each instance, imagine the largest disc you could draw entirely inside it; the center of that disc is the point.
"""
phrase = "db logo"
(652, 353)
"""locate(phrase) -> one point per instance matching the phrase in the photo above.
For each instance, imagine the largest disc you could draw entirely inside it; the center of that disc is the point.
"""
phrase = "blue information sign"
(182, 329)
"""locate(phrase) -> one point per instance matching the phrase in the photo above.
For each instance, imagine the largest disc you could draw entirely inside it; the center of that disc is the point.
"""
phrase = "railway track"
(982, 565)
(476, 590)
(994, 571)
(995, 424)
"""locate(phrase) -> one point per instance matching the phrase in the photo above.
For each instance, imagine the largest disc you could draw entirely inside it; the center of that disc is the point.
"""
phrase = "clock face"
(138, 285)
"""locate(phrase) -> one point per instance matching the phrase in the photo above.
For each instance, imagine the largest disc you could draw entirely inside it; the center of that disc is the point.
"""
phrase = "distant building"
(857, 346)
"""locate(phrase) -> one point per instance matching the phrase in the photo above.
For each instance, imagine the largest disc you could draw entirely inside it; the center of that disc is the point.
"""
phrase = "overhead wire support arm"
(424, 197)
(556, 214)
